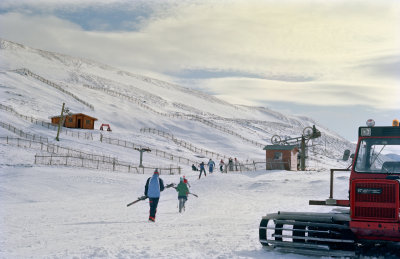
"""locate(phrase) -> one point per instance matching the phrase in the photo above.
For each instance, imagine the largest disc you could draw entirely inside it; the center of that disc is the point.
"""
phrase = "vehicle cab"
(374, 183)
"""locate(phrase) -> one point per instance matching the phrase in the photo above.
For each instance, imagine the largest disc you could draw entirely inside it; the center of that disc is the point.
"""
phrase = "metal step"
(311, 251)
(309, 223)
(297, 245)
(310, 216)
(332, 240)
(302, 230)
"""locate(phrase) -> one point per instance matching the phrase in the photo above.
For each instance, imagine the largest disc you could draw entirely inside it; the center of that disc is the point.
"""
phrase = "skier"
(230, 164)
(186, 181)
(211, 166)
(236, 164)
(183, 191)
(202, 169)
(194, 168)
(154, 186)
(221, 165)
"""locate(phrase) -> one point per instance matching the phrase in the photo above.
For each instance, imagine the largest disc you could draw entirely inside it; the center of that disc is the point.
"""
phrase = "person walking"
(221, 166)
(230, 164)
(211, 165)
(202, 169)
(183, 191)
(154, 187)
(236, 164)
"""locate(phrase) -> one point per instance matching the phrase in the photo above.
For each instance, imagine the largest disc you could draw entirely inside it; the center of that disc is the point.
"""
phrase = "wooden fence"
(115, 165)
(252, 166)
(54, 148)
(24, 71)
(154, 151)
(63, 156)
(197, 118)
(184, 144)
(66, 131)
(23, 134)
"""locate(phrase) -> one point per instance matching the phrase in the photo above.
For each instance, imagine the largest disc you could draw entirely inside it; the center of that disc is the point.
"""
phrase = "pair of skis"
(144, 197)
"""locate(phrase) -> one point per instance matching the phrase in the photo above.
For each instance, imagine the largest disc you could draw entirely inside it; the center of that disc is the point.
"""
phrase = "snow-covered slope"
(130, 102)
(62, 212)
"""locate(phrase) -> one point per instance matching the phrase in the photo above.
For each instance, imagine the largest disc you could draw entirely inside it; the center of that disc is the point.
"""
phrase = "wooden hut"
(281, 157)
(77, 120)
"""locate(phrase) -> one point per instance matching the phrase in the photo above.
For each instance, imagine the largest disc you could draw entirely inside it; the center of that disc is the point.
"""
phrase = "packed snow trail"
(66, 213)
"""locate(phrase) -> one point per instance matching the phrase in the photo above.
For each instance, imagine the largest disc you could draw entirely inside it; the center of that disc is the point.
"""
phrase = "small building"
(281, 157)
(77, 121)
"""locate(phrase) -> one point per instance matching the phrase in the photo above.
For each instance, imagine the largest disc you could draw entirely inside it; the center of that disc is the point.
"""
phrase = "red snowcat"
(371, 220)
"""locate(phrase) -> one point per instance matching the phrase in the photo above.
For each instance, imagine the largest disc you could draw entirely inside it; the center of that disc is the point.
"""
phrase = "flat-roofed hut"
(76, 120)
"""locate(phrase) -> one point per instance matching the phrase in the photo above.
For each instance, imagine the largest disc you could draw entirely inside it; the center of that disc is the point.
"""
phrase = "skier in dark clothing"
(230, 164)
(194, 168)
(183, 192)
(202, 169)
(154, 186)
(221, 165)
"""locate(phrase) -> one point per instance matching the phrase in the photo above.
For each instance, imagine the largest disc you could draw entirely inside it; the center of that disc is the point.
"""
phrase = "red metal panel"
(375, 200)
(376, 230)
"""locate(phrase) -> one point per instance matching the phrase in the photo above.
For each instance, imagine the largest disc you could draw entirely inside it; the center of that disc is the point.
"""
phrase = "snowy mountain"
(35, 83)
(67, 198)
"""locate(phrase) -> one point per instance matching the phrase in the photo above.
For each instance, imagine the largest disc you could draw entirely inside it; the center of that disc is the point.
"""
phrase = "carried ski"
(138, 199)
(195, 195)
(144, 197)
(169, 185)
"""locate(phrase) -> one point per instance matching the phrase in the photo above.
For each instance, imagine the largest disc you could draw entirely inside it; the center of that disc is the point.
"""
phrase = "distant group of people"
(202, 166)
(232, 165)
(155, 185)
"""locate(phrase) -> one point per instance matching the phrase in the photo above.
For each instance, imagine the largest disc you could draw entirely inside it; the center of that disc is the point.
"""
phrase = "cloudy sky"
(336, 61)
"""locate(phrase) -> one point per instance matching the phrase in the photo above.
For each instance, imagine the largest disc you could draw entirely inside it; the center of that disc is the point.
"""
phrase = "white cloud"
(328, 42)
(258, 91)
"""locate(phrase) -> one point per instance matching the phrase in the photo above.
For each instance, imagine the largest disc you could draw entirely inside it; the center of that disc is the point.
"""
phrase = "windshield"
(379, 155)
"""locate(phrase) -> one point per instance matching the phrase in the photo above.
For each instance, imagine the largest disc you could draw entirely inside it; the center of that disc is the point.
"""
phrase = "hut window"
(69, 119)
(278, 156)
(88, 122)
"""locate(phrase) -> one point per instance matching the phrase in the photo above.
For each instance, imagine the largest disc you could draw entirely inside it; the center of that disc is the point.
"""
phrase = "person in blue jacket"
(211, 165)
(154, 186)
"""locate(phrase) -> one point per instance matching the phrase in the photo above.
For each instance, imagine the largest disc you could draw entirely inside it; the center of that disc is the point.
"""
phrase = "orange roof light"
(395, 123)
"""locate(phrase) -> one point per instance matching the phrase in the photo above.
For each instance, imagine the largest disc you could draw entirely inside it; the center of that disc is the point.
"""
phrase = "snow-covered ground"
(76, 213)
(73, 212)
